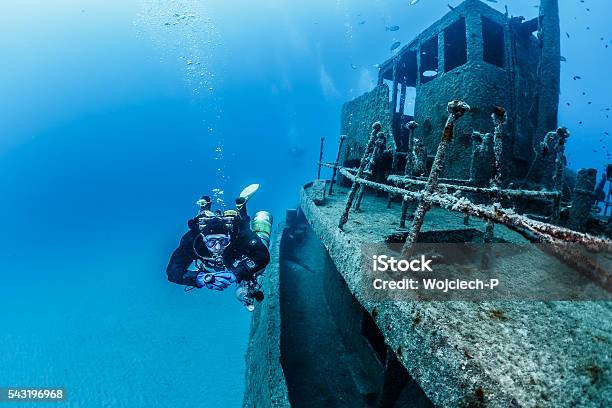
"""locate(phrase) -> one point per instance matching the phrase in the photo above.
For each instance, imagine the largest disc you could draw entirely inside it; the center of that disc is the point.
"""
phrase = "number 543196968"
(32, 394)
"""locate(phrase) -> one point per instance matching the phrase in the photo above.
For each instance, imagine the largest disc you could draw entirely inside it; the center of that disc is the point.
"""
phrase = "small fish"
(362, 22)
(430, 73)
(577, 77)
(562, 58)
(413, 2)
(353, 66)
(566, 33)
(392, 28)
(450, 7)
(395, 45)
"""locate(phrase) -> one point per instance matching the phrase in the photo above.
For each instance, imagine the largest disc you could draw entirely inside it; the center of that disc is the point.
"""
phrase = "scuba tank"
(262, 226)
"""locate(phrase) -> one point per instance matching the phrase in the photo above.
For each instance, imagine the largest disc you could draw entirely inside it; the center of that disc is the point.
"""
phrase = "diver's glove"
(215, 280)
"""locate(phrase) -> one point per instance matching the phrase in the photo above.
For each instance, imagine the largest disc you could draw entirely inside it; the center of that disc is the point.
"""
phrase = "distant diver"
(226, 247)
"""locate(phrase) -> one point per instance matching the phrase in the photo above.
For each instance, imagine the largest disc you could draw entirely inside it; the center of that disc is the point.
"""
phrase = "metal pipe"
(543, 195)
(369, 147)
(500, 118)
(456, 109)
(378, 146)
(333, 179)
(320, 159)
(535, 231)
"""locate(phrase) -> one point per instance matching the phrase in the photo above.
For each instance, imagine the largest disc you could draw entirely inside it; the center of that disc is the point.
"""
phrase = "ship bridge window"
(408, 74)
(429, 60)
(455, 45)
(409, 99)
(493, 42)
(389, 84)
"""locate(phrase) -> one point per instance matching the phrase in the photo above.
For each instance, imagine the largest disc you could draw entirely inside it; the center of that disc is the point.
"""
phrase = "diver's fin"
(245, 195)
(249, 191)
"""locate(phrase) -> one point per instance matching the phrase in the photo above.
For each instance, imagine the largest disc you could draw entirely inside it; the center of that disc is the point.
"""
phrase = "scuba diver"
(226, 247)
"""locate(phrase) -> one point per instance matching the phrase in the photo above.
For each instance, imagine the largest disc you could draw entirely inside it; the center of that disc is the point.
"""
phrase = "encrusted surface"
(498, 354)
(357, 118)
(265, 381)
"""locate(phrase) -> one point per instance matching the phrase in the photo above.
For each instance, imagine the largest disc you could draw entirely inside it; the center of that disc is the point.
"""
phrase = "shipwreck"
(478, 157)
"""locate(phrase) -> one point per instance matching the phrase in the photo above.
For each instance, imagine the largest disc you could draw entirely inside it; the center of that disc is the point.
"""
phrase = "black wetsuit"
(246, 256)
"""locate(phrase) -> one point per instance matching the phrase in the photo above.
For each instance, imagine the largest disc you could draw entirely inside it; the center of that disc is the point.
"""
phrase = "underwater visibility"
(348, 203)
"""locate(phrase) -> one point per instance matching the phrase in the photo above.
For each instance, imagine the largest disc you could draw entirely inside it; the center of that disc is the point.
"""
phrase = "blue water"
(115, 116)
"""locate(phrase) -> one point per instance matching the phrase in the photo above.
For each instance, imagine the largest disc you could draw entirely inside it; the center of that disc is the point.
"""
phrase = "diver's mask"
(216, 243)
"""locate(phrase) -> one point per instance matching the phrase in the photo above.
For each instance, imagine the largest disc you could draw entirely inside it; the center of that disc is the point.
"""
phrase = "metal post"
(320, 159)
(404, 212)
(609, 202)
(378, 146)
(559, 174)
(409, 168)
(500, 118)
(456, 109)
(369, 147)
(333, 179)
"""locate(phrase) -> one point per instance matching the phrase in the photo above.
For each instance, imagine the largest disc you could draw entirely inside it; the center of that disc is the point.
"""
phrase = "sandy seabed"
(119, 335)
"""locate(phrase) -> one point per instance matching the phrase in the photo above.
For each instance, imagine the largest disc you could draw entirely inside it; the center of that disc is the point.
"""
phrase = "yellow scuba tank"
(262, 226)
